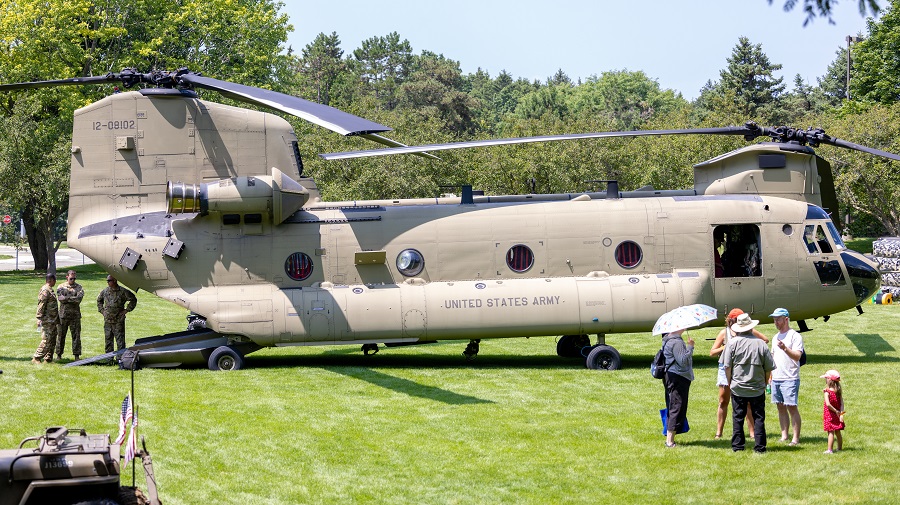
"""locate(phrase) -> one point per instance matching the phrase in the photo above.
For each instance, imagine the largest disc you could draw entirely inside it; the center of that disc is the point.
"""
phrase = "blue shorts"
(785, 392)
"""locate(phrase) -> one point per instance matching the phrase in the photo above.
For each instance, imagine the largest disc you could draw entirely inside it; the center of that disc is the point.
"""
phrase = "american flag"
(131, 447)
(124, 417)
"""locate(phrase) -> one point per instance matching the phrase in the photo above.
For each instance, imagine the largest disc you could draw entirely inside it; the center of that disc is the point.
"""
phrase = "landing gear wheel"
(603, 357)
(225, 358)
(369, 348)
(570, 346)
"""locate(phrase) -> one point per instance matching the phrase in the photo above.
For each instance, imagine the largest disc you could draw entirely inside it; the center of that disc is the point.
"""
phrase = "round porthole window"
(629, 254)
(519, 258)
(410, 262)
(298, 266)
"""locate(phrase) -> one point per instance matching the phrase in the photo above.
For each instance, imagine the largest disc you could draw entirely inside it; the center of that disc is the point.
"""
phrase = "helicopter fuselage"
(202, 205)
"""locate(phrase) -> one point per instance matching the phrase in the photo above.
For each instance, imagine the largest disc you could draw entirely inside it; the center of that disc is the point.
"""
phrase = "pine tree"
(749, 76)
(321, 65)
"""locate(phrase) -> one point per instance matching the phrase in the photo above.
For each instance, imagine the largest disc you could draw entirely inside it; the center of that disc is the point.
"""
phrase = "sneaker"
(794, 443)
(828, 452)
(673, 444)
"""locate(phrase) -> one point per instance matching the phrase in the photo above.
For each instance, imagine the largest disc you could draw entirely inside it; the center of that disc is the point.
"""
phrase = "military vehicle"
(66, 468)
(206, 205)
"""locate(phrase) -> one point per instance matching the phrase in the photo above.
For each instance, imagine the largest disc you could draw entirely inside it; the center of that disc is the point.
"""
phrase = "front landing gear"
(603, 357)
(471, 350)
(370, 348)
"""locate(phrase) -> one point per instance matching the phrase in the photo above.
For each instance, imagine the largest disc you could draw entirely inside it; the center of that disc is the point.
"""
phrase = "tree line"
(427, 99)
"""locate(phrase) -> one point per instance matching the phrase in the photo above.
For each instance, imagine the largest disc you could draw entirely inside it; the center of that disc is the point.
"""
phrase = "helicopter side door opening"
(737, 251)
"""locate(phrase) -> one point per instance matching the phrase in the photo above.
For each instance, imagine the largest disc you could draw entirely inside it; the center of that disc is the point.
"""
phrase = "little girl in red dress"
(833, 410)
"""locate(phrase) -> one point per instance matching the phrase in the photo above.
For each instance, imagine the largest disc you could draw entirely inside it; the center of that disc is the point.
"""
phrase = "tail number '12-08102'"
(127, 124)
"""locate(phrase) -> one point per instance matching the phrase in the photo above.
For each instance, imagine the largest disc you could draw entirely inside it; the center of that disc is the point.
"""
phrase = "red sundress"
(831, 421)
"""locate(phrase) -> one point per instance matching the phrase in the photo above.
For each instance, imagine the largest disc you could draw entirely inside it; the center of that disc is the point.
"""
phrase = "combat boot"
(77, 357)
(59, 357)
(48, 359)
(36, 361)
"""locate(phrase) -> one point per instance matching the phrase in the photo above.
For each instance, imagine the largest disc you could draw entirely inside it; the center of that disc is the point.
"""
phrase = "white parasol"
(684, 317)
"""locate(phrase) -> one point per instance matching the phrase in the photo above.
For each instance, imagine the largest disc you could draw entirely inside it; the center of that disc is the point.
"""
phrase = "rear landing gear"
(225, 358)
(471, 350)
(570, 346)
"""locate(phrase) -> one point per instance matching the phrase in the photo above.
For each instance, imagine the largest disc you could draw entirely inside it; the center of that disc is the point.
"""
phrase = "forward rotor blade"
(327, 117)
(750, 132)
(393, 143)
(857, 147)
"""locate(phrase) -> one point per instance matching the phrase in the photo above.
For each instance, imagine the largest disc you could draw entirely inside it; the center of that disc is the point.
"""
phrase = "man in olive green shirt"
(114, 302)
(748, 368)
(69, 295)
(47, 320)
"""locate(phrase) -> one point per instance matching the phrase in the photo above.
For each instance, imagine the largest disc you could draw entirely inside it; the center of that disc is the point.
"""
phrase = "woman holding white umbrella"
(679, 361)
(679, 374)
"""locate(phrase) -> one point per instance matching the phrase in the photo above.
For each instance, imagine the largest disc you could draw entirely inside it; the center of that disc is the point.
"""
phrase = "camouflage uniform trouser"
(48, 341)
(64, 325)
(114, 330)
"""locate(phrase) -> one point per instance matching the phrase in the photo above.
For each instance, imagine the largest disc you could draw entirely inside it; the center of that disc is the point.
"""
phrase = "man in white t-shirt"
(787, 347)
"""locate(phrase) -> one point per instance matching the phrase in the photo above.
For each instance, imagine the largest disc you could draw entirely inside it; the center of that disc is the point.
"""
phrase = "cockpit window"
(835, 235)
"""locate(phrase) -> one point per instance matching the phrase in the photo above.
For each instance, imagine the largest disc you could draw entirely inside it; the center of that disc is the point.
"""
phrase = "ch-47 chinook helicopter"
(205, 205)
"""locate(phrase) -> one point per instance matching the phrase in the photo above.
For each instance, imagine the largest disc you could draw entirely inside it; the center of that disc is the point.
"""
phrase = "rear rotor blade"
(100, 79)
(316, 113)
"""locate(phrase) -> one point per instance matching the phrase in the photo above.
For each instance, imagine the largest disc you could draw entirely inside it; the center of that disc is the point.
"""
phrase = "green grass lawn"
(861, 245)
(421, 425)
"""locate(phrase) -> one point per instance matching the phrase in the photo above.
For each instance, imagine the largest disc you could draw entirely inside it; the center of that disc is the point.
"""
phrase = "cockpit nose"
(863, 275)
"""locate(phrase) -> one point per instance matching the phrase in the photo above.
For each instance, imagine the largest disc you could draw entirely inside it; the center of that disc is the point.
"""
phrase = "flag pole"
(133, 427)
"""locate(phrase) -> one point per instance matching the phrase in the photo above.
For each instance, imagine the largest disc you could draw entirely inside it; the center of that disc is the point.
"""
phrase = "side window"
(809, 234)
(737, 251)
(816, 240)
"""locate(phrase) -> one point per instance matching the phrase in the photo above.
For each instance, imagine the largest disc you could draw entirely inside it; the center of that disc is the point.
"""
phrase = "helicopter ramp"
(191, 347)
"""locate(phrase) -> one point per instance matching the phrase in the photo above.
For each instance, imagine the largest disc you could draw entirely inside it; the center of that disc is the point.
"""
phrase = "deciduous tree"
(876, 69)
(239, 40)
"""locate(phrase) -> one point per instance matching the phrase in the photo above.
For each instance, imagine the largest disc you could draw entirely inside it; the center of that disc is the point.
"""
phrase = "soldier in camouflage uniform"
(69, 296)
(114, 302)
(47, 320)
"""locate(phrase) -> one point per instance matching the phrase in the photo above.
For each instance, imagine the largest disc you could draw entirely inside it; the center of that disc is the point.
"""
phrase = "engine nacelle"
(277, 196)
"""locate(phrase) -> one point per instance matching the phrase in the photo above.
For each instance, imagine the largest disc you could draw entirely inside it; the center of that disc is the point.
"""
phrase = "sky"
(681, 44)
